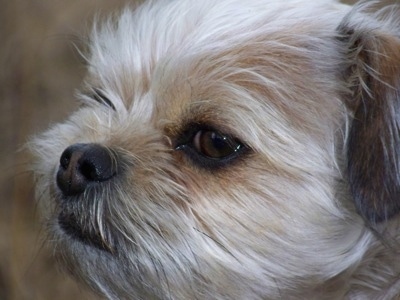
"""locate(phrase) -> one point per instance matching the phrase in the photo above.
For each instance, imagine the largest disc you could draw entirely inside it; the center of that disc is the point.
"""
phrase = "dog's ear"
(373, 145)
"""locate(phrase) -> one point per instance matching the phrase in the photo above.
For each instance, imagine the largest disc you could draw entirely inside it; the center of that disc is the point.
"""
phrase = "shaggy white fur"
(230, 149)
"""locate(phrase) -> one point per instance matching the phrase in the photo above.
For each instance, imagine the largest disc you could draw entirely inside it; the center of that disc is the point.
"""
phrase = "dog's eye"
(210, 148)
(214, 145)
(99, 96)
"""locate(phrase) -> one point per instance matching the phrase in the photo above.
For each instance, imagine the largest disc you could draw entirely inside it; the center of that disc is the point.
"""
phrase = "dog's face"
(209, 158)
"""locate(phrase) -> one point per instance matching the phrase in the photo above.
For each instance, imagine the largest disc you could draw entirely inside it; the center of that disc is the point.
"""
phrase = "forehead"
(194, 58)
(137, 41)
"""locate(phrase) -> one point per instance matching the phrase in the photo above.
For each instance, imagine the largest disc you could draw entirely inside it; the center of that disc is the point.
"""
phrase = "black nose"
(82, 165)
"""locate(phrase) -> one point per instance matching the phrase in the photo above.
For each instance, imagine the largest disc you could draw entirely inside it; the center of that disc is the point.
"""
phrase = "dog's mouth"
(86, 234)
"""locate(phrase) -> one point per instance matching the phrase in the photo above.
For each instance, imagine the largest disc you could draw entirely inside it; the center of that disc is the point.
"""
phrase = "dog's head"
(226, 149)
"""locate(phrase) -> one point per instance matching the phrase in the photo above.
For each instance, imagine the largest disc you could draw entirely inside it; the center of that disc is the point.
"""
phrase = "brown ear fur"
(373, 148)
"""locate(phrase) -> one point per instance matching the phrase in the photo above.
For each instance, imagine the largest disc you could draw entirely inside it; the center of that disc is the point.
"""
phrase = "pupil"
(215, 145)
(218, 141)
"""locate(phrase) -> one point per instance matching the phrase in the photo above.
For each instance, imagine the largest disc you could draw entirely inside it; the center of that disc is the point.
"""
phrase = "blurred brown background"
(39, 72)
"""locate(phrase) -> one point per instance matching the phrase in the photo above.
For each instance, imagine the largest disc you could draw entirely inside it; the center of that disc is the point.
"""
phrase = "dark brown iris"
(215, 145)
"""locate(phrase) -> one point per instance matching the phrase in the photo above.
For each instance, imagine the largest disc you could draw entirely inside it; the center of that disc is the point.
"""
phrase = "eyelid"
(190, 130)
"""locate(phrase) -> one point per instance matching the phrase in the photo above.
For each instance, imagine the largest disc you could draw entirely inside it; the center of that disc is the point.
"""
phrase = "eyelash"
(101, 98)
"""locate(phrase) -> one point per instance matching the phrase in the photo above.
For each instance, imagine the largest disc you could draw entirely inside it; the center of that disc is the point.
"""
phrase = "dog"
(229, 149)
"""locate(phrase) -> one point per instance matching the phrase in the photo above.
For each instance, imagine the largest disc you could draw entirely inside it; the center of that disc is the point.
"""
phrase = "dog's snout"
(82, 165)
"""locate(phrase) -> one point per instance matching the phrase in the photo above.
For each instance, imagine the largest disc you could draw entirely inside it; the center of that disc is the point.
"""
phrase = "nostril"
(90, 171)
(65, 159)
(97, 163)
(84, 164)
